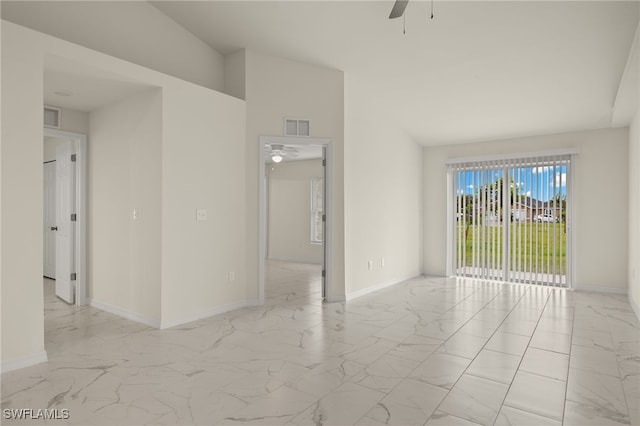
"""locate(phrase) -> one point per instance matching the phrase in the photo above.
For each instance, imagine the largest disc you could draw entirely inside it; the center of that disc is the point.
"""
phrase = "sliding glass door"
(511, 219)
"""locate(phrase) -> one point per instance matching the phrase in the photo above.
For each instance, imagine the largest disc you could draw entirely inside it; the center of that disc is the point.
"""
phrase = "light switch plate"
(201, 215)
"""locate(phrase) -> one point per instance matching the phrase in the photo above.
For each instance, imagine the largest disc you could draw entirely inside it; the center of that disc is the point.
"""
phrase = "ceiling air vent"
(52, 117)
(297, 127)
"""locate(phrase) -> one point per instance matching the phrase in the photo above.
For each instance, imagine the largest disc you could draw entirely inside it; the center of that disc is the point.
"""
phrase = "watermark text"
(35, 414)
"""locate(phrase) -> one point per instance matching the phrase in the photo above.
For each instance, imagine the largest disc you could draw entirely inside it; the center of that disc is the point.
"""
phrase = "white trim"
(81, 223)
(600, 289)
(262, 211)
(80, 149)
(336, 299)
(24, 361)
(634, 306)
(502, 157)
(133, 316)
(209, 313)
(155, 323)
(371, 289)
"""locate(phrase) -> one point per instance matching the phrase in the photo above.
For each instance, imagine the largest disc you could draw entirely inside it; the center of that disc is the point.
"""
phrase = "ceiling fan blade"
(398, 9)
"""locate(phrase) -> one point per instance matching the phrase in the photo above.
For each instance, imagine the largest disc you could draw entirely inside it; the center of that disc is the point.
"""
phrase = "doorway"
(64, 214)
(510, 219)
(311, 240)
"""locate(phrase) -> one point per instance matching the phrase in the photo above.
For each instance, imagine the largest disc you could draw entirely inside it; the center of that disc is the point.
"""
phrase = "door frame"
(262, 226)
(79, 144)
(570, 217)
(46, 229)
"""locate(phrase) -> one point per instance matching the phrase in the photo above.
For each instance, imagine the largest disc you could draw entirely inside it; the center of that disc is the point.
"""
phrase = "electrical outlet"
(201, 215)
(382, 262)
(370, 265)
(232, 276)
(136, 213)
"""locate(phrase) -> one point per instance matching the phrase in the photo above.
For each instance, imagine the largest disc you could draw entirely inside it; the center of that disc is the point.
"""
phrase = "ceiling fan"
(278, 152)
(398, 9)
(399, 6)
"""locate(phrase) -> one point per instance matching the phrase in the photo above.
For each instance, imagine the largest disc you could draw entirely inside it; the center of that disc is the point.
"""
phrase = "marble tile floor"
(431, 351)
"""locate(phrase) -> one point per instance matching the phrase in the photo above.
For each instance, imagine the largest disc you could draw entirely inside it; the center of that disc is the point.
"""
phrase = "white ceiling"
(479, 70)
(87, 88)
(302, 153)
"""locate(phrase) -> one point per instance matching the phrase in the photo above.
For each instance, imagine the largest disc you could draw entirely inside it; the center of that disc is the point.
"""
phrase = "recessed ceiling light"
(63, 93)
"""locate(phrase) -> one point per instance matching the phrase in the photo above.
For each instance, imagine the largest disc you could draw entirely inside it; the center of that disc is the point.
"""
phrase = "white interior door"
(49, 220)
(324, 222)
(65, 202)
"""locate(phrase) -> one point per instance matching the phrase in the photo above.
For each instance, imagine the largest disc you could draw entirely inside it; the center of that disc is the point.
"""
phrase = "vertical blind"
(511, 220)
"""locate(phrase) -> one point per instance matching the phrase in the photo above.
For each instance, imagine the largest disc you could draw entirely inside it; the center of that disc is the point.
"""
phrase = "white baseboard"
(635, 307)
(336, 299)
(209, 313)
(25, 361)
(152, 322)
(599, 289)
(133, 316)
(367, 290)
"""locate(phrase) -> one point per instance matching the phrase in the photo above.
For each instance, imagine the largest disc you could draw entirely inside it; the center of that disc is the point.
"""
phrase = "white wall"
(22, 177)
(627, 104)
(600, 202)
(634, 213)
(383, 192)
(124, 173)
(72, 120)
(203, 167)
(197, 123)
(289, 229)
(278, 88)
(235, 74)
(384, 169)
(1, 198)
(131, 30)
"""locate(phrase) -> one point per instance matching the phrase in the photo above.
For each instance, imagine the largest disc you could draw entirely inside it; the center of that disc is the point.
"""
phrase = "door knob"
(54, 228)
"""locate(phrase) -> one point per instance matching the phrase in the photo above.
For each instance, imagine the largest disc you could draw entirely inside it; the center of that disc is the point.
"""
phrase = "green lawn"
(535, 238)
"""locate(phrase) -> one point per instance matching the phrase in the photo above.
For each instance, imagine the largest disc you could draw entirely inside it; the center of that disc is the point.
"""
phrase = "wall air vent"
(297, 127)
(52, 117)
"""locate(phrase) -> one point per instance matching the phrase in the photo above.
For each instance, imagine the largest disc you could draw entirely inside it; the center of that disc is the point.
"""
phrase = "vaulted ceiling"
(479, 70)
